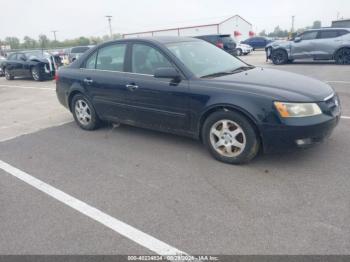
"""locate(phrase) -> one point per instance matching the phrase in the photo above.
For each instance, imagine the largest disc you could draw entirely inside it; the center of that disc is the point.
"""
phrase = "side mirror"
(23, 58)
(167, 72)
(297, 39)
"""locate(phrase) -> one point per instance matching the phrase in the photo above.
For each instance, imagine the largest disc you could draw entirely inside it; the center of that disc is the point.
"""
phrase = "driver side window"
(146, 59)
(309, 35)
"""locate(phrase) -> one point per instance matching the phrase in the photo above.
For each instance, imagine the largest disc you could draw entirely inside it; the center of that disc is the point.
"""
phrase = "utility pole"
(109, 17)
(338, 14)
(293, 18)
(54, 34)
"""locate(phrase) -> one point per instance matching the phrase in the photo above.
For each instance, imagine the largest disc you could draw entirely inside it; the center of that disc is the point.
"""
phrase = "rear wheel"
(8, 75)
(342, 57)
(279, 57)
(84, 113)
(230, 137)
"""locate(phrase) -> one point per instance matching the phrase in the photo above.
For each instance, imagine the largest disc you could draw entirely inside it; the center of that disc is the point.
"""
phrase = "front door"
(156, 103)
(303, 48)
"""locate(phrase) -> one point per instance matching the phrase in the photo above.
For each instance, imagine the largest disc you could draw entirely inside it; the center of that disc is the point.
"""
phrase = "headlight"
(297, 109)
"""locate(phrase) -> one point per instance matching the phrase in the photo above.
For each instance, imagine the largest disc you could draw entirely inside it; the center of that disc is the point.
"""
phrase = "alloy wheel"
(83, 112)
(227, 138)
(35, 74)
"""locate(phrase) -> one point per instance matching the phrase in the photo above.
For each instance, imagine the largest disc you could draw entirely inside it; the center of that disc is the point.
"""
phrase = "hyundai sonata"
(189, 87)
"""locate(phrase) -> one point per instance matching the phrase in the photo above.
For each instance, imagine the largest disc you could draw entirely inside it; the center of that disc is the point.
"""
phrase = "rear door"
(104, 79)
(153, 102)
(304, 48)
(326, 44)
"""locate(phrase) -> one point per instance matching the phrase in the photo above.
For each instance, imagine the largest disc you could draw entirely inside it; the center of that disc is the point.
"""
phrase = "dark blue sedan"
(257, 42)
(189, 87)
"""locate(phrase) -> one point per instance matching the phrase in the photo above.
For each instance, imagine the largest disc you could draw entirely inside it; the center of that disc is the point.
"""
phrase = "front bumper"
(299, 134)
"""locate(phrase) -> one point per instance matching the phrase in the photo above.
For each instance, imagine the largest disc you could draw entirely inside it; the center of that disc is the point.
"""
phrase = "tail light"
(220, 45)
(56, 76)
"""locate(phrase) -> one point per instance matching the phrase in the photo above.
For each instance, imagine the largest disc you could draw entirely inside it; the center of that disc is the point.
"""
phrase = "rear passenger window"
(328, 34)
(111, 58)
(91, 62)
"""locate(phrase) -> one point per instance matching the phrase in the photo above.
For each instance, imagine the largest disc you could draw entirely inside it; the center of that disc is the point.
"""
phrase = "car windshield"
(204, 59)
(37, 54)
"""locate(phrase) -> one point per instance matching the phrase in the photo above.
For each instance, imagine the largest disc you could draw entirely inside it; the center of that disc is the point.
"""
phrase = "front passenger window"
(111, 58)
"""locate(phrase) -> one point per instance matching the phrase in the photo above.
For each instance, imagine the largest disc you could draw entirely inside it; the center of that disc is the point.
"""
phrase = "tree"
(263, 33)
(29, 42)
(43, 41)
(13, 42)
(83, 41)
(317, 25)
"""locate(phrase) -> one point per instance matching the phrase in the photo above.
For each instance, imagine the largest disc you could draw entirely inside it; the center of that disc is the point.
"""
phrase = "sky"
(74, 18)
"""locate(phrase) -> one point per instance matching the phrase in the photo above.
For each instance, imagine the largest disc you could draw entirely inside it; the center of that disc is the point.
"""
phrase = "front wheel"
(84, 113)
(36, 75)
(239, 52)
(279, 57)
(230, 137)
(8, 75)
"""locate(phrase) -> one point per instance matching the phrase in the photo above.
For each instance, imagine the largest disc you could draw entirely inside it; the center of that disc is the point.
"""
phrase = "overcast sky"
(73, 18)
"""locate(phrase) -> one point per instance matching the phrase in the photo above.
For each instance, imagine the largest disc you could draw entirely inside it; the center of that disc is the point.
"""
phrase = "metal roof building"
(236, 26)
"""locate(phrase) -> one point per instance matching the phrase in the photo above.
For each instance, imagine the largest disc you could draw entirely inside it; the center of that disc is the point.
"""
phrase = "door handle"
(88, 81)
(131, 87)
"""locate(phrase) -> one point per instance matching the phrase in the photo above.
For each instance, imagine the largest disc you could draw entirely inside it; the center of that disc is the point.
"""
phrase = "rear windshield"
(80, 49)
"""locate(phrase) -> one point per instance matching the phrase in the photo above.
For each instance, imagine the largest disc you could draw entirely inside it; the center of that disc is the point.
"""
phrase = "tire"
(237, 144)
(8, 75)
(239, 52)
(279, 57)
(342, 56)
(36, 74)
(84, 113)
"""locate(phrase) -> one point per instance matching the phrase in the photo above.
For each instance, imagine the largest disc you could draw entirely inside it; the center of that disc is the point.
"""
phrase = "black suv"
(223, 41)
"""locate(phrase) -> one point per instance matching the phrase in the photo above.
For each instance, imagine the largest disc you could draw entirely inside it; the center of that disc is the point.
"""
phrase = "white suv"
(243, 49)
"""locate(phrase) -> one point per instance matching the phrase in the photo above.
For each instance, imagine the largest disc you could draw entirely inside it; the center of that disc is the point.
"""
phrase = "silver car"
(316, 44)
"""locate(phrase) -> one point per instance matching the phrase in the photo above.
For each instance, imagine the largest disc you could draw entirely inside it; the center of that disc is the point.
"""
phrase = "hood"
(279, 85)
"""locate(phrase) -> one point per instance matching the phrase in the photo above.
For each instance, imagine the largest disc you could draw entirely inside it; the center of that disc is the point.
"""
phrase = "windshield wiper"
(242, 68)
(236, 70)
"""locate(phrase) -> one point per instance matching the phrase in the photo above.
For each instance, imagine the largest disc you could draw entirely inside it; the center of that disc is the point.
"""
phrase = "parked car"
(2, 60)
(316, 44)
(222, 41)
(187, 86)
(36, 64)
(257, 42)
(76, 52)
(243, 49)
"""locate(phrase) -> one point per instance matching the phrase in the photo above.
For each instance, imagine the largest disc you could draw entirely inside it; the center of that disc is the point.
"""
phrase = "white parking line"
(28, 87)
(118, 226)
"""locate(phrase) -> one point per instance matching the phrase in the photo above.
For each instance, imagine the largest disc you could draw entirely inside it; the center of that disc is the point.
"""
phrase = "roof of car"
(328, 28)
(163, 39)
